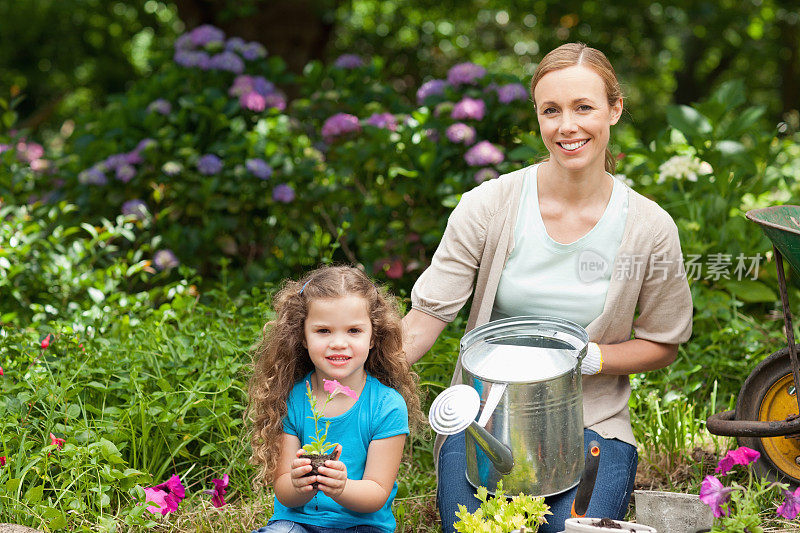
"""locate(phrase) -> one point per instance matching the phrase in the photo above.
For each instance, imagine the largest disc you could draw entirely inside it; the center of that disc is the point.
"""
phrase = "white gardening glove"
(593, 361)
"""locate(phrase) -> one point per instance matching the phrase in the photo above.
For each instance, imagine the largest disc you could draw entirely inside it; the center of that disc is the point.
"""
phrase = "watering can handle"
(586, 485)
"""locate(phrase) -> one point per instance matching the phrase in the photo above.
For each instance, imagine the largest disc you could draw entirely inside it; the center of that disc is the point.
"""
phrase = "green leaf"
(688, 120)
(12, 485)
(750, 291)
(523, 153)
(34, 494)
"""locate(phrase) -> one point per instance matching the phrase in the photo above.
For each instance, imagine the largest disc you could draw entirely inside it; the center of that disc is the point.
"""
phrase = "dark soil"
(607, 523)
(316, 462)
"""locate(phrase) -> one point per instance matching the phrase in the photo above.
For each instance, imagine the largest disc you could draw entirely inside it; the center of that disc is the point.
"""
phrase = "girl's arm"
(291, 488)
(369, 494)
(636, 355)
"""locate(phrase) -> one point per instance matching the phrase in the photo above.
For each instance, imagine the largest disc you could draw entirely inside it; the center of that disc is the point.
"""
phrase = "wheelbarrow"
(766, 415)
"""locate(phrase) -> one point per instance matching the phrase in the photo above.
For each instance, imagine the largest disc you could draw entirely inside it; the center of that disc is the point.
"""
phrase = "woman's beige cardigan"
(648, 294)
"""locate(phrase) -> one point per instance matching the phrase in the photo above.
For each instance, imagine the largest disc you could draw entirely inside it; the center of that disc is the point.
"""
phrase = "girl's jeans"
(287, 526)
(612, 489)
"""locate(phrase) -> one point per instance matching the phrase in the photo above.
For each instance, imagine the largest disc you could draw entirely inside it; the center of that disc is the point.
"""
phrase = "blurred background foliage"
(68, 55)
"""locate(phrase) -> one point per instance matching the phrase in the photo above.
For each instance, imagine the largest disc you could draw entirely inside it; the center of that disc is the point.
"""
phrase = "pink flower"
(2, 460)
(469, 108)
(333, 388)
(253, 101)
(714, 494)
(46, 341)
(790, 507)
(395, 270)
(55, 441)
(166, 496)
(740, 456)
(217, 499)
(1, 370)
(482, 154)
(339, 124)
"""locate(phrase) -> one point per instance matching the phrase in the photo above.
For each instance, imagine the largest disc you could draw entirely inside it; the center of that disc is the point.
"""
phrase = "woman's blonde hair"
(572, 54)
(280, 360)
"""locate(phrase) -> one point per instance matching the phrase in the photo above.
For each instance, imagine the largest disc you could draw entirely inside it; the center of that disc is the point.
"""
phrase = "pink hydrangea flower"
(790, 507)
(510, 92)
(339, 124)
(465, 73)
(740, 456)
(714, 494)
(166, 496)
(461, 133)
(165, 259)
(383, 120)
(482, 154)
(253, 101)
(333, 387)
(429, 88)
(485, 174)
(469, 108)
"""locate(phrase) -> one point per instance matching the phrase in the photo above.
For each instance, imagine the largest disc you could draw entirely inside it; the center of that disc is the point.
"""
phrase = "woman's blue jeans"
(612, 490)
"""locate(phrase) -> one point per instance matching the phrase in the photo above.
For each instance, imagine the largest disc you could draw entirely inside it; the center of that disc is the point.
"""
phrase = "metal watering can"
(525, 374)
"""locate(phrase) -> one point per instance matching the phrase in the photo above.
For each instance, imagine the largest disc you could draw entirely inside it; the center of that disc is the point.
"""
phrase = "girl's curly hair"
(280, 360)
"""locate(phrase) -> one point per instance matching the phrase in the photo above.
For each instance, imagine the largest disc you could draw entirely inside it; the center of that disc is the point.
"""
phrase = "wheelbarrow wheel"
(768, 394)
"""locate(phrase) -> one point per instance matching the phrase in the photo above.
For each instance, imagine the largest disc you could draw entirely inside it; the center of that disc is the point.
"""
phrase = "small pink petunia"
(2, 460)
(790, 507)
(1, 370)
(46, 341)
(166, 496)
(333, 388)
(55, 441)
(217, 495)
(714, 494)
(740, 456)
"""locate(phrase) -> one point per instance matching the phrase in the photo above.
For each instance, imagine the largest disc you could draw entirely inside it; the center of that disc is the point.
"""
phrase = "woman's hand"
(300, 467)
(332, 477)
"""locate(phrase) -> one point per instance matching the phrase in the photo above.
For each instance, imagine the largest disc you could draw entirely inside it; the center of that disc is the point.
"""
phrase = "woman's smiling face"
(575, 118)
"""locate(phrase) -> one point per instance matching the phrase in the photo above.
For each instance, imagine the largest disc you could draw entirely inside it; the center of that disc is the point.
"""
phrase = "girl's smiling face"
(575, 117)
(338, 336)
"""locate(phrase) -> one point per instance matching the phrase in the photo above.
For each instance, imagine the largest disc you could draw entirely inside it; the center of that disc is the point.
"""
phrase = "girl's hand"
(301, 467)
(333, 476)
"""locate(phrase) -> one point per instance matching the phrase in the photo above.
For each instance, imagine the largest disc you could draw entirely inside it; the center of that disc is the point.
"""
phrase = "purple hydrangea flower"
(93, 176)
(4, 148)
(283, 193)
(482, 154)
(383, 120)
(485, 174)
(133, 157)
(461, 133)
(135, 208)
(144, 144)
(165, 259)
(469, 108)
(430, 88)
(349, 61)
(234, 44)
(510, 92)
(115, 161)
(262, 86)
(339, 124)
(465, 73)
(190, 59)
(160, 106)
(253, 101)
(205, 34)
(276, 100)
(125, 173)
(227, 61)
(184, 42)
(209, 164)
(258, 168)
(253, 50)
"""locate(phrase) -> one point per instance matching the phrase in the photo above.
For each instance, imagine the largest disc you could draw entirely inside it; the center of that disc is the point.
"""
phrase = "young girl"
(333, 324)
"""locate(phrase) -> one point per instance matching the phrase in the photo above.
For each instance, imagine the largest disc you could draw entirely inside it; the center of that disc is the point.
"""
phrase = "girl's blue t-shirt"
(379, 413)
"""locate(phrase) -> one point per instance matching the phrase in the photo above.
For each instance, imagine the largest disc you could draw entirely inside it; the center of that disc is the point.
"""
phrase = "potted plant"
(521, 514)
(737, 508)
(603, 525)
(676, 512)
(317, 447)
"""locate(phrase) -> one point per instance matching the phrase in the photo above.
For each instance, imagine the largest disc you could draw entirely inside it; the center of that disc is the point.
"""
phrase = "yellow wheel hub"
(778, 403)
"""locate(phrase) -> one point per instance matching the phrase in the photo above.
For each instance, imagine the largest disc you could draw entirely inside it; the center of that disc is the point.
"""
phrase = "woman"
(530, 243)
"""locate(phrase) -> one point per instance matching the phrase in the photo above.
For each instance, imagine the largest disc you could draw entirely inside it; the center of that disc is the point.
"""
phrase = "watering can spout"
(498, 453)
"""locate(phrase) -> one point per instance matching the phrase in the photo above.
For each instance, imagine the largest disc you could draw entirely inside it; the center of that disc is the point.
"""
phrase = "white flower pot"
(674, 512)
(586, 525)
